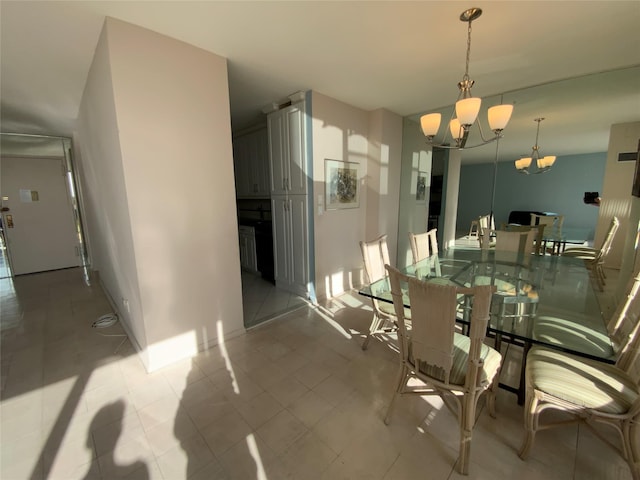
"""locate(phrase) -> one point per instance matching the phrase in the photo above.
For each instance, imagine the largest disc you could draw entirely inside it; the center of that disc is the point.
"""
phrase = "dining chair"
(574, 331)
(420, 248)
(595, 258)
(375, 254)
(591, 391)
(423, 246)
(486, 226)
(520, 242)
(538, 248)
(551, 221)
(454, 366)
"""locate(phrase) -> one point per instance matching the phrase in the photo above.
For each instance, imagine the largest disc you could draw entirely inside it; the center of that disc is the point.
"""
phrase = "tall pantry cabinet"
(290, 190)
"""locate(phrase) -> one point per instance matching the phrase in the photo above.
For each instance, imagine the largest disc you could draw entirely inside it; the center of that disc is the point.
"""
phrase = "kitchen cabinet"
(248, 258)
(251, 164)
(287, 150)
(290, 240)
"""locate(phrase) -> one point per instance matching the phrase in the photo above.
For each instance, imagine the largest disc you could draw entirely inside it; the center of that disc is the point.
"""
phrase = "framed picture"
(635, 191)
(421, 187)
(341, 185)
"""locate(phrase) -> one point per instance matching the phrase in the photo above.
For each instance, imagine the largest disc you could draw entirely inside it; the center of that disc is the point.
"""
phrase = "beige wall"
(374, 141)
(616, 189)
(161, 190)
(385, 154)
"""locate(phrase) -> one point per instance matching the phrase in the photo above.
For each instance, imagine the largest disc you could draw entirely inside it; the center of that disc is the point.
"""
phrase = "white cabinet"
(290, 240)
(251, 162)
(287, 150)
(248, 258)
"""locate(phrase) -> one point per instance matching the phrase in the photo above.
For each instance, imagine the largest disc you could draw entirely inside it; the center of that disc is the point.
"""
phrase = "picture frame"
(635, 190)
(421, 187)
(341, 184)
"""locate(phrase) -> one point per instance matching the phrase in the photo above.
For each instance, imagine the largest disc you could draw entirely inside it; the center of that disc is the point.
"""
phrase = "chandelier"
(466, 108)
(543, 164)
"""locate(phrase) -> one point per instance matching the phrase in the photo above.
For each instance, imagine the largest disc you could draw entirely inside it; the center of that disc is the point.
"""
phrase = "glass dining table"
(558, 238)
(546, 300)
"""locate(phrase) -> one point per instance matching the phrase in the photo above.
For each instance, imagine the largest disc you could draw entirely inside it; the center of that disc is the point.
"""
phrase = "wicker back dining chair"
(453, 366)
(595, 258)
(591, 390)
(375, 254)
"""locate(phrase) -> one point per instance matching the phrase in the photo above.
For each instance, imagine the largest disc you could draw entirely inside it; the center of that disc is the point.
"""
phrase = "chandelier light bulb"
(499, 117)
(467, 110)
(455, 128)
(430, 124)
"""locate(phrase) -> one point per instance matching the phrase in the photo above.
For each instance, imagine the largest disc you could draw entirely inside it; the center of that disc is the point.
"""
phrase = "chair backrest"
(483, 222)
(538, 234)
(518, 242)
(419, 246)
(608, 240)
(433, 240)
(624, 325)
(375, 254)
(486, 225)
(549, 220)
(433, 317)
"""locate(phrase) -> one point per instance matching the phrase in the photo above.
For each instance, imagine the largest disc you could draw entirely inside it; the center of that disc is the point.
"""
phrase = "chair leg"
(402, 377)
(467, 419)
(530, 424)
(630, 447)
(599, 277)
(491, 395)
(374, 327)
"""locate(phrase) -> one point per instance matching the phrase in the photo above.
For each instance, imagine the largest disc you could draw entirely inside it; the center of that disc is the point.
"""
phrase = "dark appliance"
(264, 250)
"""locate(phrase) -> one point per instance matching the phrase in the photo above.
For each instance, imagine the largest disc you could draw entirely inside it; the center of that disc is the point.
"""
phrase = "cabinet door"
(278, 152)
(296, 146)
(281, 240)
(261, 165)
(240, 166)
(299, 262)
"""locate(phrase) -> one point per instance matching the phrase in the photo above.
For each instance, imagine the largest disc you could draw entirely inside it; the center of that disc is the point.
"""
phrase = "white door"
(281, 240)
(278, 153)
(297, 170)
(299, 244)
(39, 224)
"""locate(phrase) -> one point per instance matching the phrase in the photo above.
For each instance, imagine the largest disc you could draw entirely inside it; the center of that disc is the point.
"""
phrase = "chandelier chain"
(466, 68)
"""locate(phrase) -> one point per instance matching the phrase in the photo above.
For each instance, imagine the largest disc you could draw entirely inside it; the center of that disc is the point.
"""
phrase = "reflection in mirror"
(578, 115)
(41, 217)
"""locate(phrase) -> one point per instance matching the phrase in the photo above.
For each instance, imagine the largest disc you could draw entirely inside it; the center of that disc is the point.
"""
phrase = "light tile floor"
(262, 301)
(295, 398)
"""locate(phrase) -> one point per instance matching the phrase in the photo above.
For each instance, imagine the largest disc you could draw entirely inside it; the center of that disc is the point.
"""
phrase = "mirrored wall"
(41, 214)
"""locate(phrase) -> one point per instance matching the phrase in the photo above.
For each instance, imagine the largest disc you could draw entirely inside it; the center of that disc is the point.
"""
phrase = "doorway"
(41, 223)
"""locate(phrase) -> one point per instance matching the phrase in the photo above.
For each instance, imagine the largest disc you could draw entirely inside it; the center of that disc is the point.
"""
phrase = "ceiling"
(406, 57)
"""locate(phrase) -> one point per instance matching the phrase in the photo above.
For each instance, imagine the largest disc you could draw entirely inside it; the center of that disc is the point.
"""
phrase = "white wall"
(616, 189)
(100, 169)
(623, 138)
(342, 132)
(385, 155)
(167, 206)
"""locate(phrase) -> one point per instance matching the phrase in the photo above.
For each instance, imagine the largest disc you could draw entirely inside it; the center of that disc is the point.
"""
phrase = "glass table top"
(546, 300)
